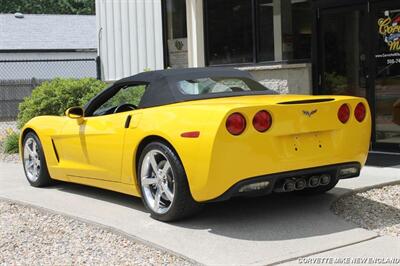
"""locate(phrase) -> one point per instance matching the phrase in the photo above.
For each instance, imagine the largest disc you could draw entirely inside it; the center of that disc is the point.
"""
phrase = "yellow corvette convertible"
(199, 135)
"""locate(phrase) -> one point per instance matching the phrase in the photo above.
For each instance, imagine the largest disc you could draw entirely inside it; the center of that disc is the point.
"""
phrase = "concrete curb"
(319, 252)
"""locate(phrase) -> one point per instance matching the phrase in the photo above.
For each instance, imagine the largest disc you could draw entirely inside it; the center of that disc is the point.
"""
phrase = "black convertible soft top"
(162, 88)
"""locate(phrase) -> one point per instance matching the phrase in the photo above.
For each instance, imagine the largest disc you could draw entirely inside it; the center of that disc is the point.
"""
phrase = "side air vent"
(55, 150)
(308, 101)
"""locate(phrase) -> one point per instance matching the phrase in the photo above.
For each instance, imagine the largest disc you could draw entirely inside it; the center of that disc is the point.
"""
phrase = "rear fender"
(169, 122)
(294, 141)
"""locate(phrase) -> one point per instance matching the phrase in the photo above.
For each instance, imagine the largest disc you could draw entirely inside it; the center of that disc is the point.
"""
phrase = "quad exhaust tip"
(313, 181)
(324, 180)
(289, 185)
(292, 184)
(300, 184)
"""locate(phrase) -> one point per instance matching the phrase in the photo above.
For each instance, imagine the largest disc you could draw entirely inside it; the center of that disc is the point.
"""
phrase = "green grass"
(11, 143)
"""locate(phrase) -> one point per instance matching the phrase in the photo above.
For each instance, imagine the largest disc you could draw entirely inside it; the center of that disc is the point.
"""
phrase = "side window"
(130, 96)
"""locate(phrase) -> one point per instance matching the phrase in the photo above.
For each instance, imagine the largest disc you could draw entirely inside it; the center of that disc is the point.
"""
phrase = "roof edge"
(47, 50)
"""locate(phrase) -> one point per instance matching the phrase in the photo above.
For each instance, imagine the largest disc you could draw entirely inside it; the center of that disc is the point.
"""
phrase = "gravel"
(33, 236)
(376, 209)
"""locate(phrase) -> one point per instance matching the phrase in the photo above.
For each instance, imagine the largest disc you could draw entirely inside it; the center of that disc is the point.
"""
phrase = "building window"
(230, 31)
(296, 33)
(176, 33)
(265, 30)
(252, 31)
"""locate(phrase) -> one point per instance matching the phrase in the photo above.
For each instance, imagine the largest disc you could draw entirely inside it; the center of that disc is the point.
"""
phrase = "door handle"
(128, 121)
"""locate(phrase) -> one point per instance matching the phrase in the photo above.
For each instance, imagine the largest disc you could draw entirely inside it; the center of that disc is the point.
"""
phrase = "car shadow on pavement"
(101, 194)
(278, 217)
(273, 217)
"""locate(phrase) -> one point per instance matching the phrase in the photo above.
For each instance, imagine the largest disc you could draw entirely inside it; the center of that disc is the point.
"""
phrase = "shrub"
(11, 142)
(56, 96)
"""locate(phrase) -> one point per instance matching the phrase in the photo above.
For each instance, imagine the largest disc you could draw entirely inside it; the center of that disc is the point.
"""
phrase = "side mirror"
(75, 112)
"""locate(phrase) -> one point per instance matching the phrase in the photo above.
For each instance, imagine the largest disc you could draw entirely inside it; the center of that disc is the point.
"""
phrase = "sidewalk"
(254, 231)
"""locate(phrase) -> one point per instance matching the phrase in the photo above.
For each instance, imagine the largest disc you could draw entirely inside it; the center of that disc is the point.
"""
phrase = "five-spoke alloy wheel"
(31, 160)
(157, 181)
(163, 183)
(34, 161)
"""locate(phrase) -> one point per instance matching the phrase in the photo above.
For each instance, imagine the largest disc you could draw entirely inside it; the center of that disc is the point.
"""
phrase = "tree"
(78, 7)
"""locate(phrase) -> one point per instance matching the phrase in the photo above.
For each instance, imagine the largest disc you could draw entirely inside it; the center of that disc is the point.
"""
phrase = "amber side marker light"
(235, 124)
(344, 113)
(190, 134)
(360, 112)
(262, 121)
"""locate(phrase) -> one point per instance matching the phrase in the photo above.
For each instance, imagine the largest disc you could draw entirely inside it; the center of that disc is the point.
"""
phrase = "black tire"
(319, 189)
(183, 204)
(43, 178)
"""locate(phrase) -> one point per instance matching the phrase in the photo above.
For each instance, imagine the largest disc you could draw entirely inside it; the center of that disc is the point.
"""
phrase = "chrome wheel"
(32, 162)
(157, 181)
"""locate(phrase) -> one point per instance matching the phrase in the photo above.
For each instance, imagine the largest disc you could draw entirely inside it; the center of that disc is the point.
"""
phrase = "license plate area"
(308, 144)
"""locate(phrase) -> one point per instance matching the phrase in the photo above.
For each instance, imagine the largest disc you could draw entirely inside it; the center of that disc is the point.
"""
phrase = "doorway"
(342, 45)
(385, 18)
(358, 53)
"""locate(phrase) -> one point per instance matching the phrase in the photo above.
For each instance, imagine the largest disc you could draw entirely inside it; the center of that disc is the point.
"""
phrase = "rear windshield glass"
(212, 85)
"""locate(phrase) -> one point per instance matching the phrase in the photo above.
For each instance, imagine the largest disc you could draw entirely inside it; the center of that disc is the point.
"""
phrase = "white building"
(135, 35)
(30, 42)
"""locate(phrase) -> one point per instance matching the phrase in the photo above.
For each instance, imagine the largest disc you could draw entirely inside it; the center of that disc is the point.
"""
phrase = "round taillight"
(262, 121)
(344, 113)
(236, 124)
(360, 112)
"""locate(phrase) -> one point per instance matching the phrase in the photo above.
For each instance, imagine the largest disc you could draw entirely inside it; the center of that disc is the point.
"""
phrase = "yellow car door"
(93, 146)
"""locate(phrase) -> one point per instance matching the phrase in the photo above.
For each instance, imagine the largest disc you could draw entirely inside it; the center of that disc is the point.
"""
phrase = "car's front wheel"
(34, 161)
(163, 183)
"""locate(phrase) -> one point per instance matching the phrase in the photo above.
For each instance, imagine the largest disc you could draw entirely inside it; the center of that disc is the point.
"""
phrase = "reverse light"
(360, 112)
(236, 124)
(254, 186)
(349, 171)
(262, 121)
(344, 113)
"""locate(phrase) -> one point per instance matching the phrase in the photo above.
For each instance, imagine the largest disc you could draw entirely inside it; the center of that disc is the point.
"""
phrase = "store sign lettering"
(390, 30)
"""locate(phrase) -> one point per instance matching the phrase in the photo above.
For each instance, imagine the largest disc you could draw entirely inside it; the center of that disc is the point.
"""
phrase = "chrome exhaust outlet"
(313, 181)
(324, 180)
(300, 184)
(288, 186)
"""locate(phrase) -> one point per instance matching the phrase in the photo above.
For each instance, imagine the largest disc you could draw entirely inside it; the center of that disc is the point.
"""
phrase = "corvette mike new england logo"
(389, 29)
(309, 113)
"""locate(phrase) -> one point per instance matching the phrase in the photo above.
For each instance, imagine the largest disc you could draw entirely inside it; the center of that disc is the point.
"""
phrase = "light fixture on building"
(19, 15)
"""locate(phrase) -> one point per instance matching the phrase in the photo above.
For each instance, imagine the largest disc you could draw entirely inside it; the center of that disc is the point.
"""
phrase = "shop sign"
(389, 30)
(178, 53)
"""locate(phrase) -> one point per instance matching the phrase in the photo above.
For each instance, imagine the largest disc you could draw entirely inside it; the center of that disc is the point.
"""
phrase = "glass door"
(386, 53)
(342, 51)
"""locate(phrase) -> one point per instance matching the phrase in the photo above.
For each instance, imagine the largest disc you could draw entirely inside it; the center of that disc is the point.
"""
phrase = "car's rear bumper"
(241, 188)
